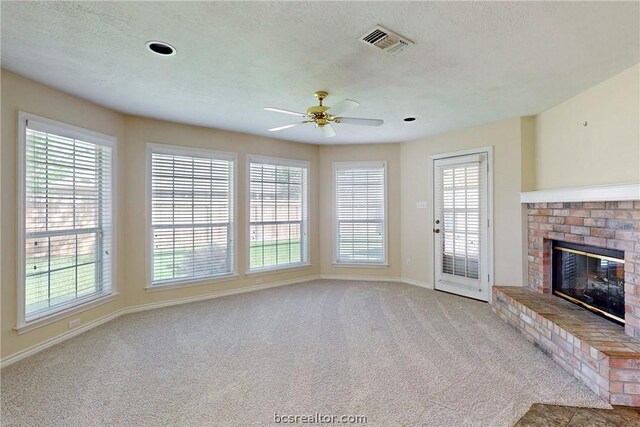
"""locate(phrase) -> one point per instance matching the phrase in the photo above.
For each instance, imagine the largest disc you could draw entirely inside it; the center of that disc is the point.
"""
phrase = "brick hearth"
(602, 354)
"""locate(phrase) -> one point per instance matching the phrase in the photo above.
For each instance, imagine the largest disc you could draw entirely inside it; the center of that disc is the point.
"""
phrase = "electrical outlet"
(74, 323)
(422, 205)
(258, 280)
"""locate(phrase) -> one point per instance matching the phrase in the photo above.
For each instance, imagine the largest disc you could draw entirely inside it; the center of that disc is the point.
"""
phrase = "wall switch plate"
(422, 205)
(73, 323)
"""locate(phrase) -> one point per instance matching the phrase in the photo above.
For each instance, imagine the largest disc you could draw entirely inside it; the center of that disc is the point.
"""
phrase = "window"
(66, 223)
(360, 213)
(278, 213)
(192, 209)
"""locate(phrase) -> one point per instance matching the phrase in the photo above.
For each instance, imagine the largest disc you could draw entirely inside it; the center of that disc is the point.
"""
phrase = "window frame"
(384, 263)
(72, 307)
(306, 247)
(153, 147)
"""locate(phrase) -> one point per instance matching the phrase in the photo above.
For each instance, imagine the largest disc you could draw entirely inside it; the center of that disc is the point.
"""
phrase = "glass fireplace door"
(592, 280)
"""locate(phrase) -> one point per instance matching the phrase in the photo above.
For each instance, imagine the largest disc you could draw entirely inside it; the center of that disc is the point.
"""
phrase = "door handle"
(436, 230)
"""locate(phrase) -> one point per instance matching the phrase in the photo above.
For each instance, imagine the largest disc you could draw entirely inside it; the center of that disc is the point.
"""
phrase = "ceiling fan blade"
(328, 131)
(285, 126)
(343, 107)
(280, 110)
(357, 121)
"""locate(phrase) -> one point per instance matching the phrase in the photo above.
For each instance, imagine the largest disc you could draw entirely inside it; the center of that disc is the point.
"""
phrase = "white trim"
(360, 278)
(75, 309)
(595, 193)
(418, 283)
(403, 280)
(63, 129)
(178, 284)
(305, 247)
(278, 161)
(276, 270)
(152, 147)
(385, 247)
(144, 307)
(360, 265)
(488, 150)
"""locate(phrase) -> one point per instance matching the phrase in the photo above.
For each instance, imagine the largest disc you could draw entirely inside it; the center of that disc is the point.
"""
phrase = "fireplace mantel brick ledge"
(602, 354)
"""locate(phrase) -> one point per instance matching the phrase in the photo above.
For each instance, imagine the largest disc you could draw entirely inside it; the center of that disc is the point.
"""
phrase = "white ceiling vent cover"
(386, 40)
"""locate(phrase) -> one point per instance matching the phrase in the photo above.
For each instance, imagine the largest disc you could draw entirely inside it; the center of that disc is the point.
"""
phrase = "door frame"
(488, 150)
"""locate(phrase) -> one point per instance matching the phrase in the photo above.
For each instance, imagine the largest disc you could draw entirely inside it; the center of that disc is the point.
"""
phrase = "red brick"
(585, 231)
(595, 222)
(572, 220)
(582, 213)
(593, 205)
(630, 388)
(616, 387)
(625, 399)
(602, 213)
(621, 245)
(626, 375)
(595, 241)
(603, 232)
(620, 363)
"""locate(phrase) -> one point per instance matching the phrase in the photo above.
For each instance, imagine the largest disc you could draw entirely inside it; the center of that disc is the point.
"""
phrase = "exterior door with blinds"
(461, 225)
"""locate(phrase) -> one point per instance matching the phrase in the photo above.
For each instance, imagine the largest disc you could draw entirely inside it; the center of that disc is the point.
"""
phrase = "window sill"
(276, 270)
(359, 265)
(54, 317)
(189, 283)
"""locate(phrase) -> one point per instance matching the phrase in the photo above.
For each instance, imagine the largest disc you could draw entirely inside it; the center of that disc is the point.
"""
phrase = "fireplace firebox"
(590, 277)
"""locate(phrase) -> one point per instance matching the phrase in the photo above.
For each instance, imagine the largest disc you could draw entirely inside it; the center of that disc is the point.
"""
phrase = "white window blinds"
(360, 213)
(459, 204)
(67, 218)
(191, 214)
(278, 213)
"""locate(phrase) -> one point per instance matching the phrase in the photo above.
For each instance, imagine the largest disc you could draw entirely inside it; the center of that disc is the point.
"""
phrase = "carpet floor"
(393, 353)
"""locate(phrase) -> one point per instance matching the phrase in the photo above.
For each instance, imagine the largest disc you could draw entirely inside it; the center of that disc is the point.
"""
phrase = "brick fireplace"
(602, 354)
(612, 225)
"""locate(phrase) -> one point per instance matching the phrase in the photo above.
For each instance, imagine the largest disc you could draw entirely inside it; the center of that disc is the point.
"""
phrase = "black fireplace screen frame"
(588, 251)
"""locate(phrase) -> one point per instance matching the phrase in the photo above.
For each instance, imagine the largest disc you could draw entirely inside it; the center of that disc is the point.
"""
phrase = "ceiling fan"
(320, 115)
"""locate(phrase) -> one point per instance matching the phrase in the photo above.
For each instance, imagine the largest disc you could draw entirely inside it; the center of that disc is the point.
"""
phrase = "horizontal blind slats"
(67, 221)
(192, 216)
(277, 214)
(360, 215)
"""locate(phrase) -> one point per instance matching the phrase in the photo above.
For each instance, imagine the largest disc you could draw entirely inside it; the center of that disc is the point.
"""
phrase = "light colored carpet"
(397, 354)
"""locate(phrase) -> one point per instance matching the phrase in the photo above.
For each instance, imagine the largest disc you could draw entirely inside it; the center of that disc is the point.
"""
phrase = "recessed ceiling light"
(409, 119)
(161, 48)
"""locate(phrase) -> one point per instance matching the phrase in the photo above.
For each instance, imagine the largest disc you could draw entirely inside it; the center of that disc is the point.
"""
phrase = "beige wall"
(606, 151)
(20, 94)
(344, 153)
(139, 131)
(416, 177)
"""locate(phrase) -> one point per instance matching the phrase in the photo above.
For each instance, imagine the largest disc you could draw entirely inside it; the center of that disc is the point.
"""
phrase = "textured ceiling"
(472, 62)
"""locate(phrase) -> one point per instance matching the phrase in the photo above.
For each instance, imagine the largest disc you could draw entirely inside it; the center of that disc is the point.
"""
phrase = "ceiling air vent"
(386, 40)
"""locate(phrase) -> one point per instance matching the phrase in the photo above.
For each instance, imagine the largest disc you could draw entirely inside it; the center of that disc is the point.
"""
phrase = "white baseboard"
(23, 354)
(219, 294)
(360, 278)
(144, 307)
(425, 285)
(406, 281)
(138, 308)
